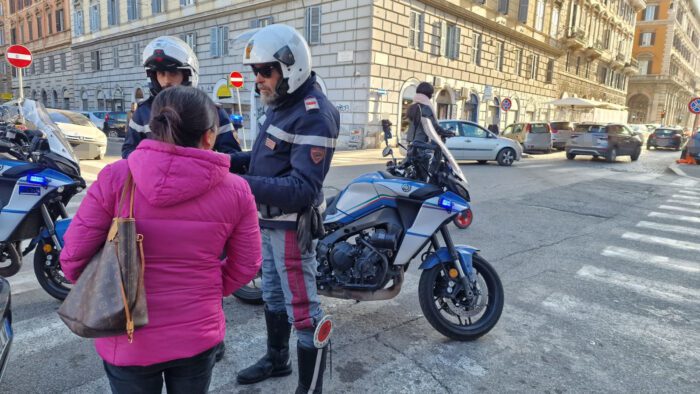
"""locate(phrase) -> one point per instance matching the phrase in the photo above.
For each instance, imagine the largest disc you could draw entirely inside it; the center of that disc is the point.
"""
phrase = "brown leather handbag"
(109, 298)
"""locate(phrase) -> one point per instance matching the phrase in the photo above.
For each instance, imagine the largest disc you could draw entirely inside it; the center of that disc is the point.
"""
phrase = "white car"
(96, 117)
(87, 140)
(473, 142)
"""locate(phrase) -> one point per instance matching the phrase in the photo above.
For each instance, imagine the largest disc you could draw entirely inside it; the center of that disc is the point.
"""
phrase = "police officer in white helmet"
(168, 61)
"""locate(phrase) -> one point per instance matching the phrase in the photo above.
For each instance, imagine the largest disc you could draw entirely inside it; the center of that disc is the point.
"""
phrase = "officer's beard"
(268, 97)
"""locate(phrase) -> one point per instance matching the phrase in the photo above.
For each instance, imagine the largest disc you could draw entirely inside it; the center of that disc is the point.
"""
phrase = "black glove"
(239, 162)
(309, 227)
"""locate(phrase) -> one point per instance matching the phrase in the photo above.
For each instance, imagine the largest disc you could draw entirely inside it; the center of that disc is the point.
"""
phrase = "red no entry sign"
(506, 104)
(694, 105)
(236, 79)
(18, 56)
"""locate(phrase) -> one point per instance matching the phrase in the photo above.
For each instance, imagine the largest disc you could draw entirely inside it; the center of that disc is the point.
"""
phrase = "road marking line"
(39, 334)
(690, 192)
(683, 218)
(664, 331)
(670, 242)
(525, 165)
(685, 196)
(680, 209)
(691, 203)
(643, 286)
(684, 182)
(669, 228)
(662, 261)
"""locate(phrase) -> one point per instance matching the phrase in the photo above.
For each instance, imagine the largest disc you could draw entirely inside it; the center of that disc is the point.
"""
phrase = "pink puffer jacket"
(189, 209)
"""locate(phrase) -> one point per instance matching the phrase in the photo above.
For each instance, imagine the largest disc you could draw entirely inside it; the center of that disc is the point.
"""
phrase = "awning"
(574, 102)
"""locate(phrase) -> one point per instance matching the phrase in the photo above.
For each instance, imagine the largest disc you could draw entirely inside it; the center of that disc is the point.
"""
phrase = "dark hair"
(181, 115)
(425, 88)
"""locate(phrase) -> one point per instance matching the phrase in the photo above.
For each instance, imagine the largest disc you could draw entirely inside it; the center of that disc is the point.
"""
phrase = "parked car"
(96, 117)
(473, 142)
(87, 140)
(561, 133)
(603, 140)
(640, 129)
(666, 137)
(6, 335)
(116, 124)
(532, 136)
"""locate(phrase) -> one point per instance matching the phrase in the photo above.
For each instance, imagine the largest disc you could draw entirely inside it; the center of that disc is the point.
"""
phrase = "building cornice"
(185, 20)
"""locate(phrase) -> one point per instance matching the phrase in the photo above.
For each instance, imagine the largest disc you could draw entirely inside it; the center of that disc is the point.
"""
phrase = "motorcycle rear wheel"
(448, 315)
(50, 276)
(251, 292)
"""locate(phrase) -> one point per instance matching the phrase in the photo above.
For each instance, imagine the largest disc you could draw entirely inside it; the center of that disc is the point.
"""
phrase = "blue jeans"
(289, 282)
(185, 375)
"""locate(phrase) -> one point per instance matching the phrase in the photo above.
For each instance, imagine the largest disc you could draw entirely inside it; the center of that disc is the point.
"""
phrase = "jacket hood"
(168, 174)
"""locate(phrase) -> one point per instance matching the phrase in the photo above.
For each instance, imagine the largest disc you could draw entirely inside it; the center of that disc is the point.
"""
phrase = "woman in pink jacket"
(189, 208)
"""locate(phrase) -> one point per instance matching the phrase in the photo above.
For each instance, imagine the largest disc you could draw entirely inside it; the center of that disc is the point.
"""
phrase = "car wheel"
(482, 161)
(506, 157)
(612, 155)
(570, 156)
(636, 153)
(113, 134)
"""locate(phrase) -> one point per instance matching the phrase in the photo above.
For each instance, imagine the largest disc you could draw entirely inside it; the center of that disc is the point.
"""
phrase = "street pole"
(21, 85)
(240, 112)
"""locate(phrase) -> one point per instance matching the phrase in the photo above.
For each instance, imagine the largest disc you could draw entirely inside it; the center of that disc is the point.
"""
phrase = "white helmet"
(169, 53)
(283, 45)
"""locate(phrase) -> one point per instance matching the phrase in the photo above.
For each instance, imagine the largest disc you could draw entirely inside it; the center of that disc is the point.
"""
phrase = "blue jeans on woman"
(184, 375)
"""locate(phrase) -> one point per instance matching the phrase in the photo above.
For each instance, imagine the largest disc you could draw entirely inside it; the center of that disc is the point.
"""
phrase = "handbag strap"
(128, 184)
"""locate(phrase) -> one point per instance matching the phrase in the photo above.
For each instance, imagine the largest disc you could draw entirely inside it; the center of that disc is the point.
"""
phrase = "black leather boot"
(276, 362)
(311, 369)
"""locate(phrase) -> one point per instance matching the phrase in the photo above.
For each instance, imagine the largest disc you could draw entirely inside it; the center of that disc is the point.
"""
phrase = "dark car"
(603, 140)
(666, 137)
(5, 324)
(116, 124)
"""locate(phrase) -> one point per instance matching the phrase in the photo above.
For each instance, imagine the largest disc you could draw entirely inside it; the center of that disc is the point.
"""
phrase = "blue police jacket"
(139, 130)
(292, 154)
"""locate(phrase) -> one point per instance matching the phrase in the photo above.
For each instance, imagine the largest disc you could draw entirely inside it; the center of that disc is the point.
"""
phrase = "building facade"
(666, 43)
(43, 26)
(370, 55)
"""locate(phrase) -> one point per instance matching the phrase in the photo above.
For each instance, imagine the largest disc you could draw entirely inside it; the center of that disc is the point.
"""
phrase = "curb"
(673, 167)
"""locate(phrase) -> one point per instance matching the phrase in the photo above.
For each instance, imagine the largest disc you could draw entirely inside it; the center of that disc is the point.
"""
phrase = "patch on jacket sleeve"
(270, 143)
(311, 103)
(317, 154)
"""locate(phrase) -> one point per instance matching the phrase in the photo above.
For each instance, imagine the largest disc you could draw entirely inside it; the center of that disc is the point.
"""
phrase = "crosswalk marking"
(646, 258)
(39, 334)
(691, 203)
(669, 228)
(662, 215)
(643, 286)
(690, 192)
(683, 196)
(684, 182)
(670, 242)
(661, 332)
(680, 209)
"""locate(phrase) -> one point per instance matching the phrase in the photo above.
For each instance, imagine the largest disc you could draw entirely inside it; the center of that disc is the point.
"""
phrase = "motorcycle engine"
(361, 263)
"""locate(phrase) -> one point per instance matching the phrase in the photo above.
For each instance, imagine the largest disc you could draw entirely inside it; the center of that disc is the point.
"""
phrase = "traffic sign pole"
(21, 84)
(236, 80)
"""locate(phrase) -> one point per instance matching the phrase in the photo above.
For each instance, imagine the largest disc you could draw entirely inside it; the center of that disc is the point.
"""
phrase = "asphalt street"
(602, 294)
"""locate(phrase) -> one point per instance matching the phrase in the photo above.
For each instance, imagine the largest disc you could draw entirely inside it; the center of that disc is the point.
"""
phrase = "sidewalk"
(686, 170)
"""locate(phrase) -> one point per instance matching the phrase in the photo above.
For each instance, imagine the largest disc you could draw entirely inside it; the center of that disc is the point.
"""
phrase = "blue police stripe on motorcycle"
(417, 234)
(13, 211)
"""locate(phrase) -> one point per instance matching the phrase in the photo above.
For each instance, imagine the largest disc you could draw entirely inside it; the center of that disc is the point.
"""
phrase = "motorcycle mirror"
(387, 151)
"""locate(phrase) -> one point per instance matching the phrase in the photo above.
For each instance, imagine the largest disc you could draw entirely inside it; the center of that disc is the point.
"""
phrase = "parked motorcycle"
(382, 220)
(39, 174)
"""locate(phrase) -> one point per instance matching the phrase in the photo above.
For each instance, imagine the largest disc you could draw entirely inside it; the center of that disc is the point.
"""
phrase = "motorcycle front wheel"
(459, 315)
(49, 274)
(251, 292)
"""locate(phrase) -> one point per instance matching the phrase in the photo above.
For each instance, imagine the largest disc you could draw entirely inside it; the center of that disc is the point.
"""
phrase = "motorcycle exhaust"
(364, 295)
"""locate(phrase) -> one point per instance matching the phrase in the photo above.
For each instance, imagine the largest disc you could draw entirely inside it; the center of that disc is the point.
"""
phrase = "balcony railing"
(576, 39)
(620, 57)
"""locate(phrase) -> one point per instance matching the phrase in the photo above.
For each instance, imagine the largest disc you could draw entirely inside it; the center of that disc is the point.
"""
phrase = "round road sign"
(236, 79)
(506, 104)
(18, 56)
(694, 105)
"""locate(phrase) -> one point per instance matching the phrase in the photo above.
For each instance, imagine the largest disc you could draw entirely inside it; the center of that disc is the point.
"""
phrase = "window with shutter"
(503, 6)
(112, 12)
(443, 39)
(136, 53)
(436, 38)
(132, 9)
(550, 71)
(523, 10)
(214, 42)
(313, 25)
(539, 15)
(156, 6)
(224, 40)
(476, 55)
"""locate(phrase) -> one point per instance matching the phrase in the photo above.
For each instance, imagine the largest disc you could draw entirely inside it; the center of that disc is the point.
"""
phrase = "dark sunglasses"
(265, 71)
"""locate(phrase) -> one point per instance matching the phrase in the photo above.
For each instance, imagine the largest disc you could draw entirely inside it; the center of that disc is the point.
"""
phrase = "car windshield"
(590, 128)
(562, 125)
(665, 132)
(539, 128)
(70, 117)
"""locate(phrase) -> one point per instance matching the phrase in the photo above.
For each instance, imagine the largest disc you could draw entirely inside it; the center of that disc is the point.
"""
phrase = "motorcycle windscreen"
(433, 135)
(33, 115)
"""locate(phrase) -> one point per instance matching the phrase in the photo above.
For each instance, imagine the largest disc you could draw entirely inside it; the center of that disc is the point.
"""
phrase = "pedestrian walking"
(286, 168)
(189, 208)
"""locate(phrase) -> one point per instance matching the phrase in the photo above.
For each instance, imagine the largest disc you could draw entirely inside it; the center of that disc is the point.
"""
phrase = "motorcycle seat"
(20, 171)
